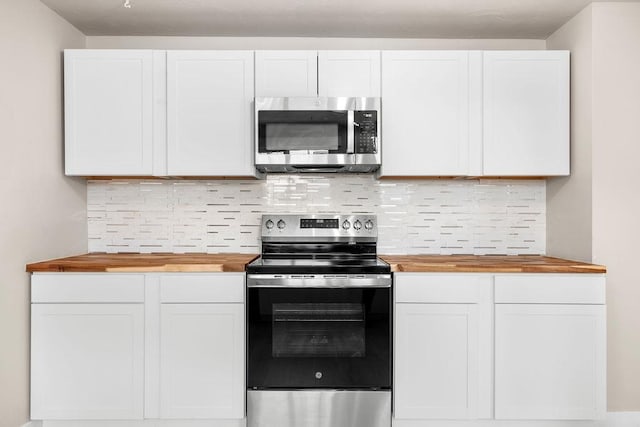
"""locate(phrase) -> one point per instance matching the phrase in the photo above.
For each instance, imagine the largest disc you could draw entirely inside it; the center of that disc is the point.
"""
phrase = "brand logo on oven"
(319, 340)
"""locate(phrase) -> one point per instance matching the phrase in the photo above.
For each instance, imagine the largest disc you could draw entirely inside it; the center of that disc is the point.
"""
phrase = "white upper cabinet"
(425, 113)
(282, 73)
(526, 113)
(332, 73)
(354, 73)
(190, 113)
(457, 113)
(209, 113)
(108, 112)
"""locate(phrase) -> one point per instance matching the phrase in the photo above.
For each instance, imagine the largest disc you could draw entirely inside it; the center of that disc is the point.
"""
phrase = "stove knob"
(368, 225)
(346, 225)
(357, 225)
(281, 224)
(269, 224)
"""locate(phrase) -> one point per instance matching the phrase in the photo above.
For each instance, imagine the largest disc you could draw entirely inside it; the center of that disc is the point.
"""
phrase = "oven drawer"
(318, 408)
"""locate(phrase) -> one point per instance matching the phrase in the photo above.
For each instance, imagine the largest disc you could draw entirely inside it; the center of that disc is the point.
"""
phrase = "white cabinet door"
(108, 112)
(425, 113)
(436, 361)
(202, 361)
(87, 361)
(550, 361)
(209, 113)
(353, 73)
(526, 113)
(286, 73)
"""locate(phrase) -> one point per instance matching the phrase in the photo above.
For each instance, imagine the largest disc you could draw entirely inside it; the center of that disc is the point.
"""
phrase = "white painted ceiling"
(522, 19)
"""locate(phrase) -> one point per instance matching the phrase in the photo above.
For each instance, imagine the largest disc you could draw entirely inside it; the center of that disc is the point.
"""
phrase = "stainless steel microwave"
(317, 134)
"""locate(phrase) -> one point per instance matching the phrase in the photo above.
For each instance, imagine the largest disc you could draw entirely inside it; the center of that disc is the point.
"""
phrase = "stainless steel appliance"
(317, 134)
(319, 324)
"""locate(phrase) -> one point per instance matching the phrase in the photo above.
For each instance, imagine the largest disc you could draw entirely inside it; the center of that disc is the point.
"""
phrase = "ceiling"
(520, 19)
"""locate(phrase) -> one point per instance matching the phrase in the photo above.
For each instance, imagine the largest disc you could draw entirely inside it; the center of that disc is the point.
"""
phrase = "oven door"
(315, 337)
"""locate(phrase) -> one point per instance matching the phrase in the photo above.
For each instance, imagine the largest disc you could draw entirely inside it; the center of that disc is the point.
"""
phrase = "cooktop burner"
(319, 244)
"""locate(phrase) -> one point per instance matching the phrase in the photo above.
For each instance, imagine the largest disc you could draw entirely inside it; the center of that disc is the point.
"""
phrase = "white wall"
(601, 199)
(42, 214)
(240, 43)
(616, 189)
(569, 198)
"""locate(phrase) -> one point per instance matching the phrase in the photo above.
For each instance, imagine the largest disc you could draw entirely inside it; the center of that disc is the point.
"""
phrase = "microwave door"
(311, 132)
(301, 138)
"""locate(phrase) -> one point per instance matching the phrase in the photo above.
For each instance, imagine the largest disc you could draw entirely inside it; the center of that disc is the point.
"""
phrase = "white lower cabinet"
(108, 346)
(496, 347)
(436, 360)
(202, 361)
(195, 346)
(549, 361)
(550, 354)
(166, 348)
(87, 361)
(442, 359)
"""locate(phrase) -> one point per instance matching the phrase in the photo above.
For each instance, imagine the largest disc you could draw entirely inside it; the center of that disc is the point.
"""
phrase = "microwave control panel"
(366, 131)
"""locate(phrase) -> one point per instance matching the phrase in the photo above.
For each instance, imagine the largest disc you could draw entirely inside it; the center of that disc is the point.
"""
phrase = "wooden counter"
(145, 263)
(487, 264)
(236, 263)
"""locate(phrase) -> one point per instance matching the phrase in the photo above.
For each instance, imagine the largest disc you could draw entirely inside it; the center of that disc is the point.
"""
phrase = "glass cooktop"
(338, 265)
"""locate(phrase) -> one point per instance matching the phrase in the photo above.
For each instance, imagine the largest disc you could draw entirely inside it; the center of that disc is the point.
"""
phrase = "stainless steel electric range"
(319, 324)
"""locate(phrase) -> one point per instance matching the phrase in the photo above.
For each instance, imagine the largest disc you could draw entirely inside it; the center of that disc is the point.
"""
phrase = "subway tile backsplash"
(414, 216)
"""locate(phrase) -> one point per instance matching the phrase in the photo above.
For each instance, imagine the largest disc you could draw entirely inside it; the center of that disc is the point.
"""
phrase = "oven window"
(318, 330)
(301, 136)
(294, 334)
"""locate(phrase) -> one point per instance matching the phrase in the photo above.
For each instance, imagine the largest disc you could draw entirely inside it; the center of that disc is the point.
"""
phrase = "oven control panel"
(301, 227)
(319, 223)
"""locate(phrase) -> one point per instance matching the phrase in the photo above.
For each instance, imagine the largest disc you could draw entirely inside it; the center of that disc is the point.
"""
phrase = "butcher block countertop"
(487, 264)
(149, 263)
(145, 263)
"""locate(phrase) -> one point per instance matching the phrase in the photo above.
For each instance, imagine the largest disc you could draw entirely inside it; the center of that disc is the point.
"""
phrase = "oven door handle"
(319, 281)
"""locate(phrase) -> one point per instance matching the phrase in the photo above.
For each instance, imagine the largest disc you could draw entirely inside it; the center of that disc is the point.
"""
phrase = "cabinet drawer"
(439, 288)
(87, 288)
(550, 288)
(202, 288)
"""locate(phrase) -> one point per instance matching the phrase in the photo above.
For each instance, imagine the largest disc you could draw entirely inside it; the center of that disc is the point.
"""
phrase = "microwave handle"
(350, 132)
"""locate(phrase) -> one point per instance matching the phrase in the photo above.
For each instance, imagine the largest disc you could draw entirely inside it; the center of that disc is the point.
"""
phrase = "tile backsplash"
(414, 217)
